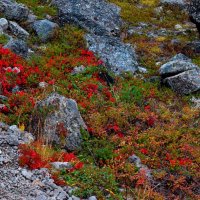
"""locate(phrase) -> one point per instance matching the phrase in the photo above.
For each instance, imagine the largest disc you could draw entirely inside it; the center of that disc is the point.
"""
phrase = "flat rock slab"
(186, 82)
(118, 56)
(96, 16)
(175, 67)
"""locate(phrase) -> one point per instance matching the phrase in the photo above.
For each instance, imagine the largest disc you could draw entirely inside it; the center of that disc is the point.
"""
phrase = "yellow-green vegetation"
(3, 39)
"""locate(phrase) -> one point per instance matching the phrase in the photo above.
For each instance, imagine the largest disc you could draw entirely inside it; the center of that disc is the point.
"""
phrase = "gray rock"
(118, 56)
(64, 118)
(13, 10)
(175, 67)
(78, 70)
(142, 70)
(61, 165)
(27, 174)
(98, 17)
(31, 18)
(137, 162)
(75, 198)
(3, 23)
(18, 30)
(43, 84)
(180, 56)
(3, 98)
(194, 12)
(180, 3)
(16, 89)
(196, 102)
(92, 198)
(45, 29)
(185, 82)
(17, 46)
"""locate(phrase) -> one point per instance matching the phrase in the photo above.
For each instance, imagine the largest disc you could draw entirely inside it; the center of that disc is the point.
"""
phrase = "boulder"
(13, 11)
(194, 12)
(181, 74)
(118, 56)
(62, 123)
(98, 17)
(175, 67)
(18, 46)
(45, 29)
(186, 82)
(180, 3)
(180, 56)
(18, 31)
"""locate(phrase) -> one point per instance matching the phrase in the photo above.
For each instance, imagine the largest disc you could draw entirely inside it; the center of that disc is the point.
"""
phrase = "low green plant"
(92, 180)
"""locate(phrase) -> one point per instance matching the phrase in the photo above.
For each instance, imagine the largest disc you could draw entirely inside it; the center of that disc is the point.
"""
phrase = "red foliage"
(31, 158)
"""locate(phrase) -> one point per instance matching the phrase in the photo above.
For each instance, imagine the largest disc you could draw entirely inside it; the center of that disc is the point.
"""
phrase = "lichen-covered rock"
(18, 46)
(13, 10)
(45, 29)
(98, 17)
(186, 82)
(18, 31)
(62, 125)
(118, 56)
(175, 67)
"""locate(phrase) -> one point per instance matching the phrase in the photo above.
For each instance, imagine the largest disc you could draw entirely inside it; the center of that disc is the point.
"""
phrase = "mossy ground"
(132, 116)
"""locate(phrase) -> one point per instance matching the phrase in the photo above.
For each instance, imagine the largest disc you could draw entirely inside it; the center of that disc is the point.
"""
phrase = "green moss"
(3, 39)
(40, 8)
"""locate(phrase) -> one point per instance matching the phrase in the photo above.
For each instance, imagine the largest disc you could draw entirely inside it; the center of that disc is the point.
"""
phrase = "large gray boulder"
(13, 10)
(45, 29)
(194, 12)
(62, 123)
(181, 74)
(180, 3)
(175, 67)
(186, 82)
(118, 56)
(96, 16)
(18, 31)
(17, 46)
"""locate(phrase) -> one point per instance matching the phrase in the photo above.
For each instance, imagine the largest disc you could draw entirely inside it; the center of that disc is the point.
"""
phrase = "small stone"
(45, 29)
(27, 174)
(4, 23)
(43, 84)
(15, 89)
(78, 70)
(4, 98)
(75, 198)
(142, 70)
(178, 27)
(92, 198)
(61, 165)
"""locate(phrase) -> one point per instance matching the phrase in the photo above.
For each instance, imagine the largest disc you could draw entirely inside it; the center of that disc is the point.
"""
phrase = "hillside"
(99, 99)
